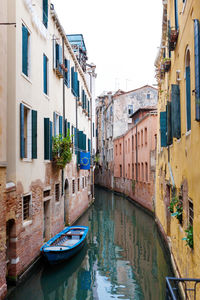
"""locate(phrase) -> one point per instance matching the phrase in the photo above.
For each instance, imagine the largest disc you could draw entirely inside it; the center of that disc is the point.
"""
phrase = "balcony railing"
(189, 286)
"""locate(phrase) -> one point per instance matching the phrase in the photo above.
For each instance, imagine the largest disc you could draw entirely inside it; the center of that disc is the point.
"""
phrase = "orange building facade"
(134, 158)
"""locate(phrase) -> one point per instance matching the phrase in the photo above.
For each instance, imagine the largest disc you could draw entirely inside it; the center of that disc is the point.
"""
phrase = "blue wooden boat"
(65, 244)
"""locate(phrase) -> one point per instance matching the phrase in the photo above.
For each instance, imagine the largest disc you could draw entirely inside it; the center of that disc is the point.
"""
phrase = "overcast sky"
(121, 36)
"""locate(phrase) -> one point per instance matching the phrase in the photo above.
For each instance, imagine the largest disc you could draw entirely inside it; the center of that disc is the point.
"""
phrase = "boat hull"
(56, 253)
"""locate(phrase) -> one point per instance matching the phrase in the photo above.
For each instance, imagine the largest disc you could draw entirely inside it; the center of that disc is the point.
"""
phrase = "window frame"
(29, 219)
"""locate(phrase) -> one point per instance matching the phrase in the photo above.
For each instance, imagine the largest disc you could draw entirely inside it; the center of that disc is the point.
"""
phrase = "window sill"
(46, 96)
(26, 77)
(27, 223)
(29, 160)
(188, 133)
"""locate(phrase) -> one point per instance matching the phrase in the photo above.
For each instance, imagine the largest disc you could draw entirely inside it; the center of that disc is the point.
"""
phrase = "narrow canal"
(124, 258)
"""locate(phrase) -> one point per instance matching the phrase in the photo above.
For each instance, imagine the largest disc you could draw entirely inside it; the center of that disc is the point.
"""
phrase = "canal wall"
(141, 192)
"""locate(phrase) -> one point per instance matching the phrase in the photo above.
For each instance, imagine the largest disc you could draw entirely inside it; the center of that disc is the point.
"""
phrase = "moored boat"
(65, 244)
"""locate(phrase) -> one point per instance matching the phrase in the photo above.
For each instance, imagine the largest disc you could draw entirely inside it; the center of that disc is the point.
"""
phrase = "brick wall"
(3, 286)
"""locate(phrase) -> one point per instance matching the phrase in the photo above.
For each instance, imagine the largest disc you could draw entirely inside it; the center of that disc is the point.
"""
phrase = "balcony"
(172, 39)
(188, 285)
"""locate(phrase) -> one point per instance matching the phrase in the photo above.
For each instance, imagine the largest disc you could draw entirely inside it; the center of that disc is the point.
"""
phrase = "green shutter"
(68, 126)
(176, 111)
(54, 123)
(169, 127)
(45, 13)
(46, 138)
(60, 125)
(163, 128)
(45, 74)
(197, 68)
(89, 145)
(34, 134)
(68, 73)
(72, 80)
(22, 153)
(188, 97)
(65, 128)
(176, 13)
(51, 140)
(24, 50)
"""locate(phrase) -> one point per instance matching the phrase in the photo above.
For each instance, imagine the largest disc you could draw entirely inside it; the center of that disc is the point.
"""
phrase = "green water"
(123, 259)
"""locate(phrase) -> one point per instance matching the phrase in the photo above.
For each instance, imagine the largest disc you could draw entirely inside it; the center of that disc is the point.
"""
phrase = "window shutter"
(89, 145)
(60, 124)
(45, 13)
(46, 138)
(54, 123)
(188, 98)
(72, 131)
(51, 140)
(163, 128)
(88, 108)
(197, 67)
(176, 111)
(54, 52)
(68, 125)
(72, 80)
(34, 134)
(24, 50)
(68, 73)
(22, 154)
(176, 13)
(82, 97)
(65, 128)
(65, 73)
(169, 127)
(45, 74)
(84, 142)
(75, 84)
(78, 89)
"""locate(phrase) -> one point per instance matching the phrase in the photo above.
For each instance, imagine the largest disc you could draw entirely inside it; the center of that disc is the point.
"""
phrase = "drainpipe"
(63, 128)
(136, 156)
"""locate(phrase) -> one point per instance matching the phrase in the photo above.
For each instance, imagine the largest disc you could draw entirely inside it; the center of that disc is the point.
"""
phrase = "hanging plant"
(176, 208)
(189, 236)
(61, 151)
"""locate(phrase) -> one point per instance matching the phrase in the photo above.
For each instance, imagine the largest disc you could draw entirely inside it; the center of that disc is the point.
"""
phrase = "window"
(133, 175)
(45, 13)
(78, 184)
(57, 58)
(148, 96)
(57, 124)
(142, 172)
(145, 136)
(73, 186)
(116, 150)
(146, 171)
(132, 143)
(46, 193)
(142, 138)
(138, 139)
(120, 148)
(190, 212)
(138, 171)
(120, 170)
(130, 109)
(129, 171)
(47, 139)
(25, 51)
(67, 73)
(57, 191)
(83, 182)
(28, 132)
(45, 74)
(26, 207)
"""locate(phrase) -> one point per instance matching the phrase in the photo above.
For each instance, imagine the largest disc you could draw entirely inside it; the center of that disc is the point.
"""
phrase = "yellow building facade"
(178, 158)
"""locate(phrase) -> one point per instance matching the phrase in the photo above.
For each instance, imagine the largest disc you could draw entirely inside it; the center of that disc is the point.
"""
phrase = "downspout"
(136, 146)
(63, 128)
(91, 128)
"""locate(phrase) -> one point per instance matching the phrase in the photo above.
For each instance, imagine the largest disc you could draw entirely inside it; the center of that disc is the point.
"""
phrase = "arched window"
(188, 90)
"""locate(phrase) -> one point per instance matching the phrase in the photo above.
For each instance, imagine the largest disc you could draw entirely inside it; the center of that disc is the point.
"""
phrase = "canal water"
(123, 258)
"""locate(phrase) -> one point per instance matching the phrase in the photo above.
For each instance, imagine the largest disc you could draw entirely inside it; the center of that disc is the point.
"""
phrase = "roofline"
(145, 86)
(134, 125)
(68, 45)
(144, 108)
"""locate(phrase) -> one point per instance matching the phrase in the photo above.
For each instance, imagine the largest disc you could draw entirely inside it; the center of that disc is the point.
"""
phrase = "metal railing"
(173, 288)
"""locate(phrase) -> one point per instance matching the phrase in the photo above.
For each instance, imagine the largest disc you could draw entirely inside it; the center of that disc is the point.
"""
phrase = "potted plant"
(61, 150)
(167, 64)
(189, 236)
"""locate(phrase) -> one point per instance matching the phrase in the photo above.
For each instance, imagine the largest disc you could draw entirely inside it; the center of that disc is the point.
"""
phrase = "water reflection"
(123, 259)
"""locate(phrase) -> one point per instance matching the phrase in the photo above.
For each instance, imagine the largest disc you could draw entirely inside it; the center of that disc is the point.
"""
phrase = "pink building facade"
(134, 159)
